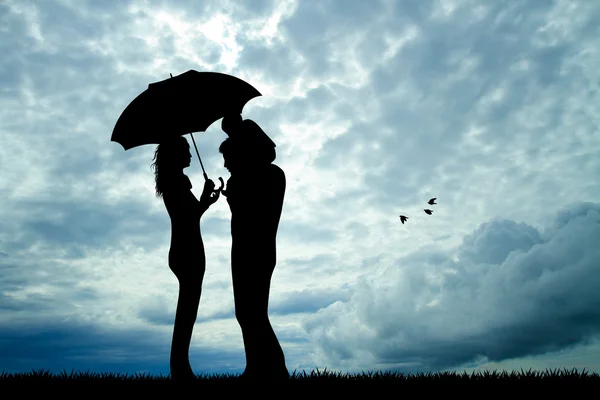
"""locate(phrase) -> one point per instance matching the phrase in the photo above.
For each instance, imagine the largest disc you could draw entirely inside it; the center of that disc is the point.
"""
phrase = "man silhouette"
(255, 193)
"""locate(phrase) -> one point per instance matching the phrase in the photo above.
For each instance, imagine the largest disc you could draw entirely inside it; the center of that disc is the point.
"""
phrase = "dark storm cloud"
(55, 346)
(74, 226)
(511, 293)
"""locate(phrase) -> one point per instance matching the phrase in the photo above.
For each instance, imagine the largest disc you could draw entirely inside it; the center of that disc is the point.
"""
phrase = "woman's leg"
(190, 288)
(264, 355)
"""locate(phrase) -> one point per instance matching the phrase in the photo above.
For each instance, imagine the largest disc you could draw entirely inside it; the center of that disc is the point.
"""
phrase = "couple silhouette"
(255, 193)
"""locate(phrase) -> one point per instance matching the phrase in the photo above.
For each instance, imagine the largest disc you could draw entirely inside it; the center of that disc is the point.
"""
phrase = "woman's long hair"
(166, 159)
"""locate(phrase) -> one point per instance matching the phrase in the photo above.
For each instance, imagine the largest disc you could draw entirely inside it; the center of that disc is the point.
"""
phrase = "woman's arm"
(278, 186)
(208, 197)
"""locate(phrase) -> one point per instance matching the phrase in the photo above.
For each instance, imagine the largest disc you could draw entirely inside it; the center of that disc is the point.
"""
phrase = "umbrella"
(183, 104)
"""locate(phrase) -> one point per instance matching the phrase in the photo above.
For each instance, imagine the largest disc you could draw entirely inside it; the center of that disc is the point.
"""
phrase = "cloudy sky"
(376, 106)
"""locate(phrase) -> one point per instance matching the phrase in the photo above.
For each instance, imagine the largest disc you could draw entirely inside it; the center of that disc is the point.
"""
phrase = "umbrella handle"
(222, 188)
(199, 159)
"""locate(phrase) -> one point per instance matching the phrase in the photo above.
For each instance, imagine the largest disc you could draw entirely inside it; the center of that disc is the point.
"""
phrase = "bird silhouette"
(432, 201)
(428, 211)
(403, 218)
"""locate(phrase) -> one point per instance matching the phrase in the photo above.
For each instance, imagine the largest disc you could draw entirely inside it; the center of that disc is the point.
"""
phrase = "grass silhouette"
(145, 384)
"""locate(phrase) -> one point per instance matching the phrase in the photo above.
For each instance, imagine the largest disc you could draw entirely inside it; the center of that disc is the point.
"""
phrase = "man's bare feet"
(184, 374)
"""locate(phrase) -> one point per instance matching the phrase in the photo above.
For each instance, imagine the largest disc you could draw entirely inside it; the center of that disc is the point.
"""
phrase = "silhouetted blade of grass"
(87, 383)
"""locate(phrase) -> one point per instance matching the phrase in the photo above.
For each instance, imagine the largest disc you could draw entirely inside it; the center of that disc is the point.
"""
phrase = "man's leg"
(264, 355)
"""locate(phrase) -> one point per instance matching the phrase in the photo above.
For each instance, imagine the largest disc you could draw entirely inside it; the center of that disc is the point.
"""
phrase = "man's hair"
(228, 146)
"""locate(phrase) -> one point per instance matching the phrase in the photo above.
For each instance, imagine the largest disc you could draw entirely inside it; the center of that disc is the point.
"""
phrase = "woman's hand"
(209, 194)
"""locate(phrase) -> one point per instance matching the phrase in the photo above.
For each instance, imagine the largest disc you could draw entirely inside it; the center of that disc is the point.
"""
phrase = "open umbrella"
(183, 104)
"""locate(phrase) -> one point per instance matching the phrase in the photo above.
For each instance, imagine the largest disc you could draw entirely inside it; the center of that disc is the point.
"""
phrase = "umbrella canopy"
(187, 103)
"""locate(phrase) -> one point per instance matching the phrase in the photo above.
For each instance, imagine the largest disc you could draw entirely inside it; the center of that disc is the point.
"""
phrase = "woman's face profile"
(184, 157)
(180, 156)
(189, 157)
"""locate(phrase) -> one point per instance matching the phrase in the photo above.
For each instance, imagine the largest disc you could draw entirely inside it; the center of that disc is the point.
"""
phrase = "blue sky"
(375, 106)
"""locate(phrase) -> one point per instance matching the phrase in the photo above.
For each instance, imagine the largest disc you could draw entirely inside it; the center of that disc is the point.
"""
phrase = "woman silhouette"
(255, 193)
(186, 255)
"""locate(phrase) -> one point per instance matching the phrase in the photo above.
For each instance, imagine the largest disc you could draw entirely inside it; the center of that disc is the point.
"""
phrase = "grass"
(141, 383)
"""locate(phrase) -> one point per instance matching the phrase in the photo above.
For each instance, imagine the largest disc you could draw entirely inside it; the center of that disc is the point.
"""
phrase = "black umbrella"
(187, 103)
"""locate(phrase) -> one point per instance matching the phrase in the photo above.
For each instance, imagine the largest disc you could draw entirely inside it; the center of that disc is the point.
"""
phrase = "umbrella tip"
(171, 74)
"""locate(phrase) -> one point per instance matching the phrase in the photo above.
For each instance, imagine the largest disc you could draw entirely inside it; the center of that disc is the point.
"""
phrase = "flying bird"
(403, 218)
(428, 211)
(432, 201)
